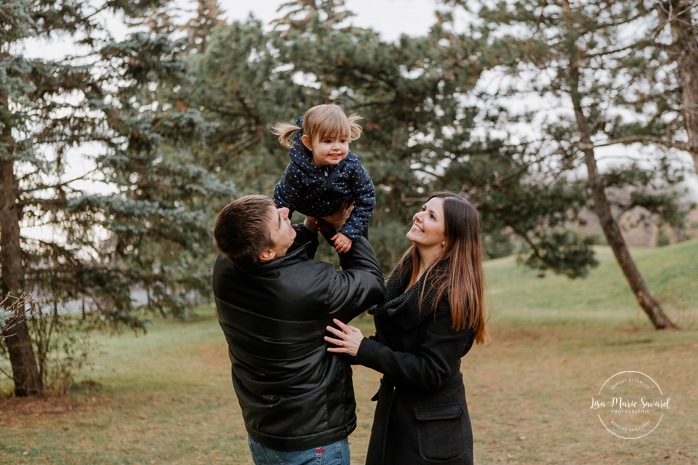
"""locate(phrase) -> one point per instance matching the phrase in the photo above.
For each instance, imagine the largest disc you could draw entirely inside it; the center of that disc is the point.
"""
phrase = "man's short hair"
(241, 232)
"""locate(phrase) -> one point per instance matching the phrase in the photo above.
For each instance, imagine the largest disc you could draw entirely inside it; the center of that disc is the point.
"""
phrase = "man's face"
(281, 232)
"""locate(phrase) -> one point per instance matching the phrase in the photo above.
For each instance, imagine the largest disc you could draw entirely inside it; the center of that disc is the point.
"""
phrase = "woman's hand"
(348, 339)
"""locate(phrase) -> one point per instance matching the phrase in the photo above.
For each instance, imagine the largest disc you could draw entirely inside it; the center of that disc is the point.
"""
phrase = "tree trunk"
(25, 372)
(603, 210)
(677, 13)
(24, 368)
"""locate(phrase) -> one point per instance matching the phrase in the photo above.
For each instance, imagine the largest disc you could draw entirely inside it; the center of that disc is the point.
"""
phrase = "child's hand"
(342, 244)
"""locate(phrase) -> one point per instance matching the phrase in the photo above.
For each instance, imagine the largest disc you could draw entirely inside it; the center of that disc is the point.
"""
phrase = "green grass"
(166, 397)
(671, 273)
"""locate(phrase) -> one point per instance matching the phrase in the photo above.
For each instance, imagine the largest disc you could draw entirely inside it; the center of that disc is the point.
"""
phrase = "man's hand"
(338, 218)
(342, 244)
(311, 223)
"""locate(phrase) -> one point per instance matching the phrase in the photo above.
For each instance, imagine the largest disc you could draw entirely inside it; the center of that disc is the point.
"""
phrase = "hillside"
(671, 273)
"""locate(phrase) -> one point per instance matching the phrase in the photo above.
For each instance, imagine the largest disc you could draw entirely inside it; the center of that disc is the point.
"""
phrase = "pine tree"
(678, 15)
(578, 54)
(200, 28)
(128, 222)
(238, 84)
(305, 16)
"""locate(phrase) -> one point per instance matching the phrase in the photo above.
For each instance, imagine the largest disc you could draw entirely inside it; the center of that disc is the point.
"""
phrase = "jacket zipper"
(327, 179)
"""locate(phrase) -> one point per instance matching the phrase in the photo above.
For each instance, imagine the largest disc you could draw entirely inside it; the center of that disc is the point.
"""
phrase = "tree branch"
(634, 139)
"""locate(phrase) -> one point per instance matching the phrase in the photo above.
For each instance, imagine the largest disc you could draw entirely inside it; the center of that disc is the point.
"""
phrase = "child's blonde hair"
(321, 121)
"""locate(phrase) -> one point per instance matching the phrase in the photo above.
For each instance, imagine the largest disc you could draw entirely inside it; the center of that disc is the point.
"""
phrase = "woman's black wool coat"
(421, 415)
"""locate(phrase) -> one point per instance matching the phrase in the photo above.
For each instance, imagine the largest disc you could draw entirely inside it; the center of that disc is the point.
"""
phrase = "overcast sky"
(389, 17)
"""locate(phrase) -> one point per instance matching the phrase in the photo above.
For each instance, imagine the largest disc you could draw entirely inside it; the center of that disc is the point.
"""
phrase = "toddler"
(323, 173)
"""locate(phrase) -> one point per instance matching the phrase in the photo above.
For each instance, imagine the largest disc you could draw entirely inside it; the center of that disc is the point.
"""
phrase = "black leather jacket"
(294, 395)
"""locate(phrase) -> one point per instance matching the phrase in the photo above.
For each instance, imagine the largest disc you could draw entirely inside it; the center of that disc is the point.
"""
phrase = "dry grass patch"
(529, 395)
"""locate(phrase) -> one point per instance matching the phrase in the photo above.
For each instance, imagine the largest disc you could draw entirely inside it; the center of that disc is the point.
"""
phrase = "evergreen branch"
(61, 251)
(635, 45)
(76, 136)
(67, 183)
(621, 22)
(228, 110)
(51, 204)
(428, 173)
(248, 111)
(672, 15)
(534, 248)
(74, 24)
(634, 139)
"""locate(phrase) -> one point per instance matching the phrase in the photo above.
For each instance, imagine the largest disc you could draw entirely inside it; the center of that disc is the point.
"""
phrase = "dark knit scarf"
(403, 306)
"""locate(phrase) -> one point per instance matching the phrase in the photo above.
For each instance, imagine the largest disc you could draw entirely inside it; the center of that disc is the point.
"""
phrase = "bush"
(61, 343)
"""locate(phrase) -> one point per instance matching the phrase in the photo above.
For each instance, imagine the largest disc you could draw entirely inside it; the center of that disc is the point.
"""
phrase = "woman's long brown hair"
(458, 271)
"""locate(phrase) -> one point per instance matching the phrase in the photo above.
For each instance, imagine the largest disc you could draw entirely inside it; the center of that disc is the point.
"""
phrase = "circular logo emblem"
(630, 404)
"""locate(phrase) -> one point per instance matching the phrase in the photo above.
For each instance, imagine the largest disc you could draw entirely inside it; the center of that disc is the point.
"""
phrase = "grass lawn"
(166, 397)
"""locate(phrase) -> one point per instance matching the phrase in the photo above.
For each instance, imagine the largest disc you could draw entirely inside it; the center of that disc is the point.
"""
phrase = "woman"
(434, 311)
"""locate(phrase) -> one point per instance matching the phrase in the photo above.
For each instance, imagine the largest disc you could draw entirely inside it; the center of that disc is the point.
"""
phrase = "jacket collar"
(298, 255)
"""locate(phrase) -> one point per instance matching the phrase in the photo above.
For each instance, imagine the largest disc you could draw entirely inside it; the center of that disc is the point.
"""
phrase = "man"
(274, 302)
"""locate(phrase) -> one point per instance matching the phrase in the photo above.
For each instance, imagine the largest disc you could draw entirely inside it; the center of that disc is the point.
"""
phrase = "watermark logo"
(630, 405)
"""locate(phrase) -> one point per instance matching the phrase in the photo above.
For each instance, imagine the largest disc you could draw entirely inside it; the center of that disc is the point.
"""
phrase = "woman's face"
(428, 225)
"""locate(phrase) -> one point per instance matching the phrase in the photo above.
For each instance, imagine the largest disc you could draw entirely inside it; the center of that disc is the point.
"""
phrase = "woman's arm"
(429, 367)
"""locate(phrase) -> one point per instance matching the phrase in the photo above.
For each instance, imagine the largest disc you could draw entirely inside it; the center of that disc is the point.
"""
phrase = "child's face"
(327, 151)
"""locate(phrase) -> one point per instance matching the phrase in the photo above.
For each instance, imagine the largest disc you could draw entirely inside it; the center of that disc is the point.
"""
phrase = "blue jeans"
(336, 453)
